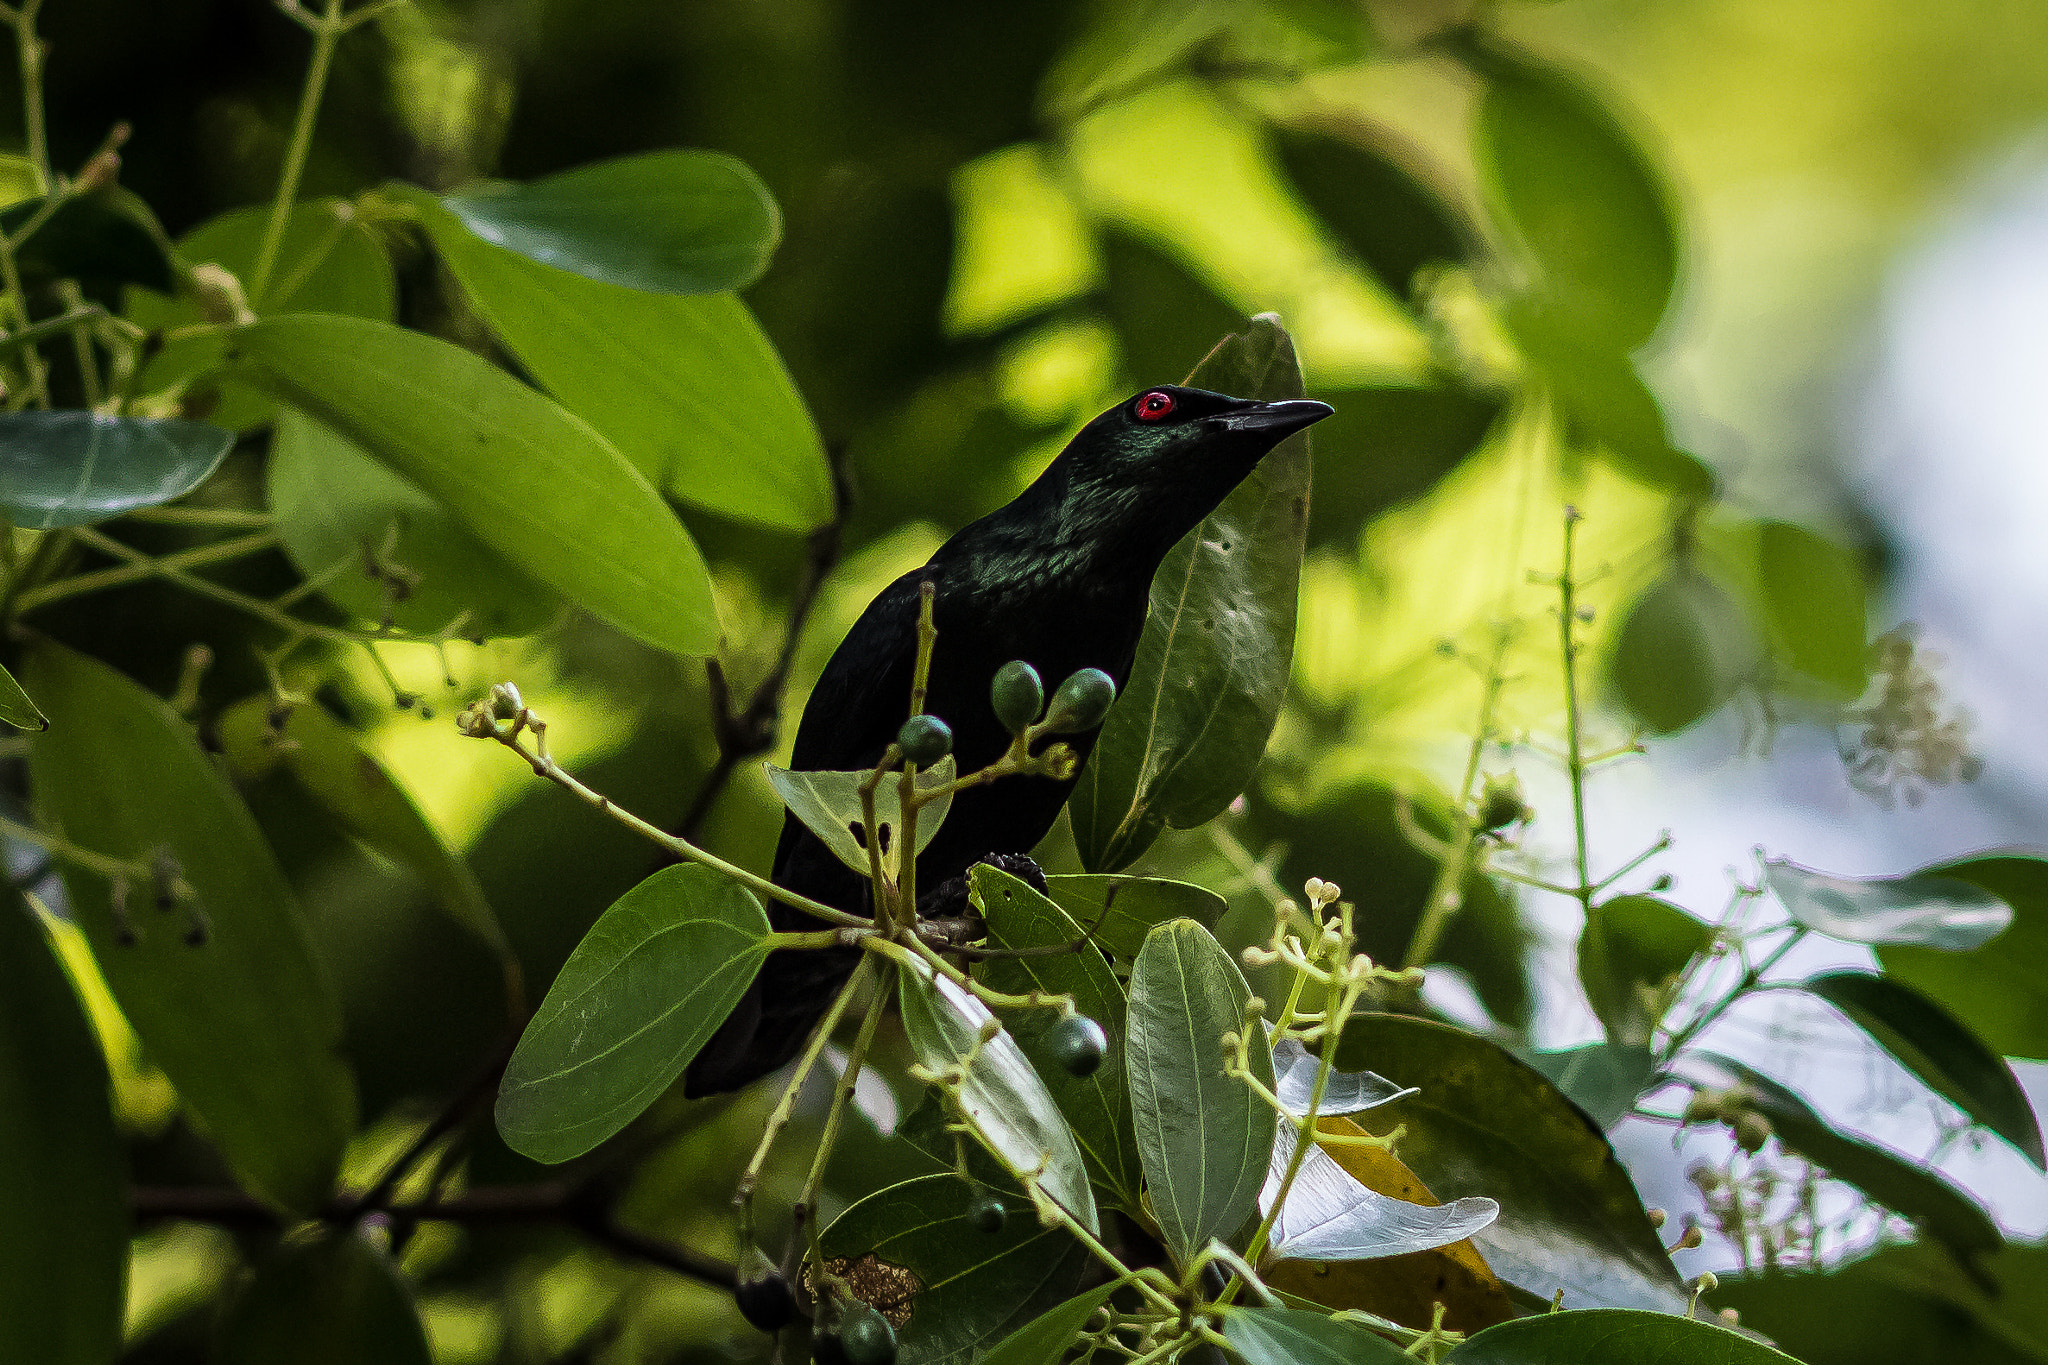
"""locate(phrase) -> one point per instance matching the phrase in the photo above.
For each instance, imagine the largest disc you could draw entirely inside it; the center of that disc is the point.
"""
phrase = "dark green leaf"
(241, 1020)
(1630, 951)
(1193, 720)
(93, 237)
(670, 222)
(830, 807)
(1294, 1336)
(1613, 1336)
(1817, 601)
(1999, 989)
(689, 389)
(1561, 172)
(1485, 1124)
(1002, 1097)
(337, 506)
(529, 480)
(1901, 1183)
(1138, 905)
(977, 1287)
(69, 468)
(1604, 1079)
(330, 1300)
(1204, 1137)
(1162, 309)
(1046, 1339)
(1375, 199)
(1683, 649)
(1389, 445)
(16, 708)
(645, 989)
(1932, 908)
(1938, 1048)
(63, 1187)
(1097, 1106)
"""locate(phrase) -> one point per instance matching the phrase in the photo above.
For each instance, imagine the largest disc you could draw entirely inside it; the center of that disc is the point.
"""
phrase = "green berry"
(766, 1302)
(987, 1213)
(1077, 1044)
(1081, 703)
(1018, 695)
(925, 740)
(866, 1337)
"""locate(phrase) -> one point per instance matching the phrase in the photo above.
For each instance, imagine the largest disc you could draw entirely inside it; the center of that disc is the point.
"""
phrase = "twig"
(326, 31)
(456, 1112)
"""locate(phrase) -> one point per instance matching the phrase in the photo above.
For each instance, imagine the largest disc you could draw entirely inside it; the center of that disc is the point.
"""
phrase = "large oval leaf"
(1002, 1097)
(1485, 1124)
(974, 1287)
(1999, 989)
(1205, 1138)
(223, 990)
(829, 805)
(1097, 1106)
(688, 389)
(1120, 911)
(1192, 722)
(66, 468)
(331, 1300)
(673, 222)
(1604, 1079)
(1931, 908)
(1294, 1336)
(645, 989)
(1631, 949)
(382, 549)
(1374, 198)
(63, 1189)
(1682, 650)
(529, 480)
(1613, 1337)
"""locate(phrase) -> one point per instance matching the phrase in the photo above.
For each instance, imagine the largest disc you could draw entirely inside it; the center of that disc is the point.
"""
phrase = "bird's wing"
(863, 696)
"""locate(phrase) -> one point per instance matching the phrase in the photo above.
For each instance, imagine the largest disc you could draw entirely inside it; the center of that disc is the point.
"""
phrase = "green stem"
(99, 864)
(1575, 766)
(1446, 893)
(1748, 982)
(30, 49)
(785, 1106)
(841, 1097)
(326, 31)
(140, 570)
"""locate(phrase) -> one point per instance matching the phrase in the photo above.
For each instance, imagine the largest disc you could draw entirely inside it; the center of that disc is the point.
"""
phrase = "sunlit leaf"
(830, 807)
(974, 1288)
(1193, 719)
(1604, 1079)
(332, 1299)
(69, 468)
(1817, 601)
(2000, 988)
(1682, 650)
(1097, 1106)
(1931, 909)
(1331, 1216)
(1293, 1336)
(1204, 1137)
(382, 549)
(1002, 1096)
(1613, 1337)
(532, 482)
(1485, 1124)
(63, 1186)
(222, 989)
(1134, 907)
(1630, 952)
(16, 708)
(645, 989)
(1046, 1339)
(674, 221)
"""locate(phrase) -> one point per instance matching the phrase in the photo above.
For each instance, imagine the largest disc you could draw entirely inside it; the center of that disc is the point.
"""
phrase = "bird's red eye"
(1154, 406)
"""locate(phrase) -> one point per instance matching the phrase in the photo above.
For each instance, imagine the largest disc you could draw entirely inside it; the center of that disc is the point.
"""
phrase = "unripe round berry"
(1077, 1043)
(925, 740)
(1081, 702)
(1018, 695)
(866, 1337)
(766, 1302)
(987, 1213)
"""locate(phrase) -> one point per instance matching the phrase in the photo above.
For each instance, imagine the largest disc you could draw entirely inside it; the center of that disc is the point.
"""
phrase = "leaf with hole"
(829, 805)
(67, 468)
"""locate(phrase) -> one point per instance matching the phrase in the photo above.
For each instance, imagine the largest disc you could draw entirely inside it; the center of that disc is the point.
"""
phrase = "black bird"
(1059, 578)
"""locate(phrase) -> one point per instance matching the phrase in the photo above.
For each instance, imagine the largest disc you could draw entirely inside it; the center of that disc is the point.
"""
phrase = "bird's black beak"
(1277, 420)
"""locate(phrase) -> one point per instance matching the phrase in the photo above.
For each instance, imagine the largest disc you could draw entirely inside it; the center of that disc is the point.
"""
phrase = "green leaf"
(1563, 174)
(1903, 1184)
(241, 1021)
(1604, 1079)
(1999, 990)
(1388, 445)
(342, 515)
(1295, 1336)
(975, 1287)
(1612, 1336)
(1003, 1098)
(1683, 649)
(1938, 1048)
(97, 237)
(69, 468)
(1192, 722)
(1931, 908)
(532, 482)
(16, 708)
(645, 989)
(829, 805)
(1374, 197)
(1097, 1106)
(671, 222)
(329, 261)
(1630, 951)
(1486, 1124)
(63, 1183)
(1817, 601)
(1046, 1339)
(1204, 1137)
(1136, 906)
(330, 1300)
(690, 390)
